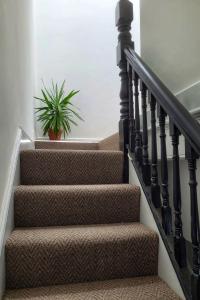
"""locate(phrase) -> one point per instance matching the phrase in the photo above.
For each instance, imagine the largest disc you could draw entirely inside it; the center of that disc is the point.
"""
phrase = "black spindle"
(138, 144)
(166, 209)
(191, 156)
(131, 111)
(146, 169)
(179, 241)
(155, 188)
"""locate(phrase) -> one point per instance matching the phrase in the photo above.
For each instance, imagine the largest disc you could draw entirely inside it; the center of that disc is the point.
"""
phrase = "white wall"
(190, 96)
(170, 42)
(76, 40)
(165, 268)
(16, 78)
(136, 31)
(22, 142)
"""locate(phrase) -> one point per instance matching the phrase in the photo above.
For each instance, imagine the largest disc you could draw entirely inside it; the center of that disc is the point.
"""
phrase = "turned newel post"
(124, 18)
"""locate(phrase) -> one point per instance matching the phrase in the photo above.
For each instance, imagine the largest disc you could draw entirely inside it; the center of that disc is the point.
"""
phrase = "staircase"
(77, 232)
(77, 220)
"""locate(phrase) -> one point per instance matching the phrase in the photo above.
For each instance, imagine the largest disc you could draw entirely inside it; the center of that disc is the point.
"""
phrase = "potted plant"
(56, 113)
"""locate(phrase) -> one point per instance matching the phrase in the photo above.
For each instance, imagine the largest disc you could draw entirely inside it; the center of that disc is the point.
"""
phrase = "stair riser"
(45, 264)
(43, 167)
(61, 206)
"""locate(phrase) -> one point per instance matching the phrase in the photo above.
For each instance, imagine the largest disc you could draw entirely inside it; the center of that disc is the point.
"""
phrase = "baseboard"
(72, 140)
(196, 113)
(6, 212)
(189, 87)
(189, 96)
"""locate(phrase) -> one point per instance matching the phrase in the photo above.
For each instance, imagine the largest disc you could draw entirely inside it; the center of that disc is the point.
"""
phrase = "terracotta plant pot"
(54, 136)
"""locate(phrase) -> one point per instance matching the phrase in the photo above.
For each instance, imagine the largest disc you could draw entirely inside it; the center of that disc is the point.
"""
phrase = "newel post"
(124, 18)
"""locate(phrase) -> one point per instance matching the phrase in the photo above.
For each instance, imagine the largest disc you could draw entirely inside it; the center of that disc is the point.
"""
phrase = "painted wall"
(170, 43)
(76, 41)
(190, 97)
(16, 79)
(22, 142)
(165, 268)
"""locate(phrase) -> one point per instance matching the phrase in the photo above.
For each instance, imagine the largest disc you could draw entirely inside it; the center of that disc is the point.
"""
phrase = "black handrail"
(180, 116)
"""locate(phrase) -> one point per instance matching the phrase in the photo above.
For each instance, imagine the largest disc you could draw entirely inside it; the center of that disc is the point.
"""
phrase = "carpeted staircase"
(77, 234)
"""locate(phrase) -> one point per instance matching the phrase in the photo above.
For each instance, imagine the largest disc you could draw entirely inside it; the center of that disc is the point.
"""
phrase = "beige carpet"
(57, 167)
(110, 143)
(143, 288)
(60, 255)
(77, 204)
(66, 145)
(77, 222)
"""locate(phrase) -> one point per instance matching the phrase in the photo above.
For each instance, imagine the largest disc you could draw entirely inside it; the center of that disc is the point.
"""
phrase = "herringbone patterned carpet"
(69, 254)
(142, 288)
(66, 145)
(59, 167)
(72, 205)
(77, 229)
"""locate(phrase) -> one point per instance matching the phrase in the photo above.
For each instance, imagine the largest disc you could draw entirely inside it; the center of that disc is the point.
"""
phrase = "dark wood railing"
(139, 84)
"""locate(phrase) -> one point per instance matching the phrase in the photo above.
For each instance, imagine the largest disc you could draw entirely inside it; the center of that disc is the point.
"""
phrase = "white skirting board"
(165, 268)
(6, 213)
(71, 140)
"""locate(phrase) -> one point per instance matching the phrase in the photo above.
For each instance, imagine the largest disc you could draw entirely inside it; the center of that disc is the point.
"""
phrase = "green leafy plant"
(57, 113)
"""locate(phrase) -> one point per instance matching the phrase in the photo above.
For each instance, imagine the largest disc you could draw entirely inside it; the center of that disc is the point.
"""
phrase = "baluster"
(166, 209)
(146, 170)
(138, 144)
(131, 111)
(191, 156)
(155, 188)
(179, 241)
(124, 17)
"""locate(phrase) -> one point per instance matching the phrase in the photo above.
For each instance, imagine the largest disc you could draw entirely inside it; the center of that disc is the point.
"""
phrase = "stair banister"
(172, 106)
(124, 18)
(163, 105)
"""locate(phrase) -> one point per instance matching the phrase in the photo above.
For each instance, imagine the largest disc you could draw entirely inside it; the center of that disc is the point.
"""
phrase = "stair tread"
(104, 232)
(66, 145)
(78, 204)
(59, 255)
(60, 167)
(100, 187)
(79, 151)
(143, 288)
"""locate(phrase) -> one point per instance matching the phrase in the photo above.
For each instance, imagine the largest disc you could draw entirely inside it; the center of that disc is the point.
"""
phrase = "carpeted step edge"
(143, 288)
(66, 145)
(42, 206)
(59, 255)
(60, 167)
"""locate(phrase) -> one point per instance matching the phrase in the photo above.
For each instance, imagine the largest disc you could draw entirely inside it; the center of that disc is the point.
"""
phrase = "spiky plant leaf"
(57, 112)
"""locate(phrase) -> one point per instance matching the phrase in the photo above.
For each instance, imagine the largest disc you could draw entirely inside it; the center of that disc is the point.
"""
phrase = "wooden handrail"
(180, 116)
